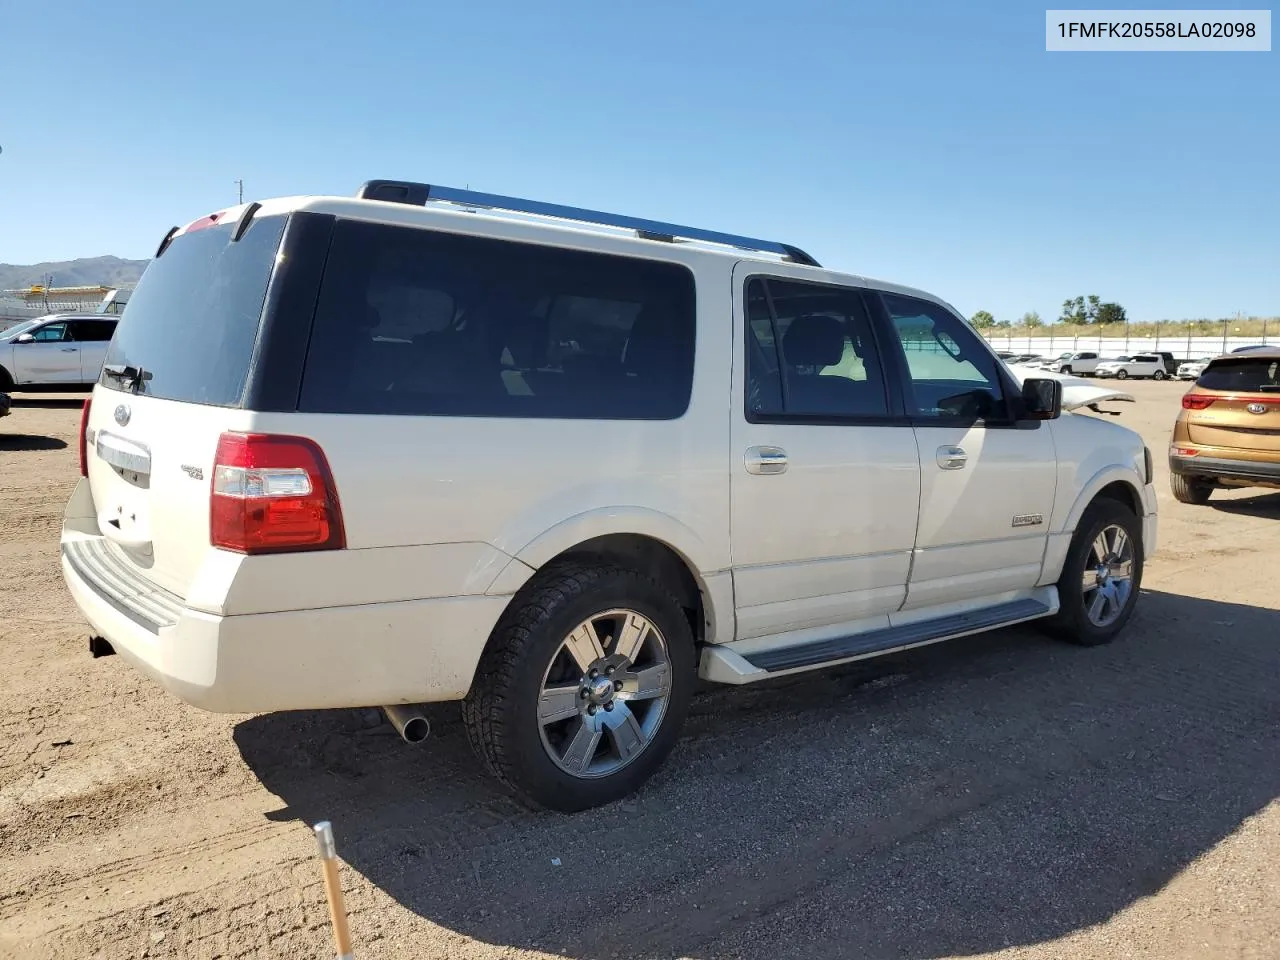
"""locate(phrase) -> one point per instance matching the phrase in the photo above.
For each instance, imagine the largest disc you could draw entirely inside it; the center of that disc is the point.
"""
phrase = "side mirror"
(24, 338)
(1041, 399)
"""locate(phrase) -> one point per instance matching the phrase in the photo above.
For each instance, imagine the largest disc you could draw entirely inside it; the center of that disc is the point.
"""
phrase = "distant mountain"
(107, 271)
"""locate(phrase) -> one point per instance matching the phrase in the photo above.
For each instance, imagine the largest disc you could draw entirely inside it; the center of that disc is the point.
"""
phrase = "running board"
(894, 638)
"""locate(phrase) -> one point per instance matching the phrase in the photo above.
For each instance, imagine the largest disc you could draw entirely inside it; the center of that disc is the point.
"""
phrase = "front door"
(825, 479)
(987, 483)
(50, 356)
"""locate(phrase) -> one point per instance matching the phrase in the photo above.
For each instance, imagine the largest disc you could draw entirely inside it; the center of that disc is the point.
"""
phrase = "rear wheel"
(1101, 577)
(6, 381)
(583, 689)
(1158, 375)
(1190, 490)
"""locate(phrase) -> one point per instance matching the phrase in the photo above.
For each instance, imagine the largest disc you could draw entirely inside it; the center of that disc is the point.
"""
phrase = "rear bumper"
(1263, 471)
(349, 656)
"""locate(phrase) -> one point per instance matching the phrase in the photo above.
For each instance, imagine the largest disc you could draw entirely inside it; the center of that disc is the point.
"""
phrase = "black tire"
(1122, 374)
(6, 381)
(1072, 622)
(1066, 369)
(1189, 490)
(501, 711)
(1158, 375)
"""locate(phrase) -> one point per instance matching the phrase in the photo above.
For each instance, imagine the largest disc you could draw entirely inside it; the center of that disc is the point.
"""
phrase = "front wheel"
(1066, 369)
(584, 686)
(1101, 577)
(1122, 374)
(1158, 375)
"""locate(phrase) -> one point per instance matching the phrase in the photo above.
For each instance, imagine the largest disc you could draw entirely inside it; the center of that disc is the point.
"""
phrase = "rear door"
(825, 480)
(93, 336)
(174, 380)
(987, 484)
(51, 356)
(1245, 410)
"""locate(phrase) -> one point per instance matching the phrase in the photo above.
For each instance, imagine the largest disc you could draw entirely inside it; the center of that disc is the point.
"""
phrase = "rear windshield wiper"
(127, 374)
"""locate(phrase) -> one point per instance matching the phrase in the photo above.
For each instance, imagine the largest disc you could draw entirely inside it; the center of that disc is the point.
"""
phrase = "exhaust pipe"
(409, 722)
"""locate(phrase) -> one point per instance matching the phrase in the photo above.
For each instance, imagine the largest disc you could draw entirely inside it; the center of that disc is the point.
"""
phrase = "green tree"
(1073, 311)
(982, 319)
(1031, 320)
(1110, 313)
(1091, 312)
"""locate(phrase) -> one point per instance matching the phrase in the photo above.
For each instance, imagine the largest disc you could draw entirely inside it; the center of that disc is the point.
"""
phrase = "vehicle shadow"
(996, 791)
(22, 441)
(1267, 505)
(39, 401)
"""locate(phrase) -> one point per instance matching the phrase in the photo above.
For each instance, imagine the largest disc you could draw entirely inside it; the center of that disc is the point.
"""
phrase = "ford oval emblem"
(1257, 408)
(122, 415)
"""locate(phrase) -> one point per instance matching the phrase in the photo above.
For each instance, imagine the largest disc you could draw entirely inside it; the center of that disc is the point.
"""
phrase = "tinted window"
(810, 353)
(1242, 374)
(193, 319)
(92, 331)
(952, 375)
(50, 332)
(417, 322)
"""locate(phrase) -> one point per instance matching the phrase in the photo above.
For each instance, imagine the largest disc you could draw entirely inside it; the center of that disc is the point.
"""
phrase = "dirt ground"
(1000, 796)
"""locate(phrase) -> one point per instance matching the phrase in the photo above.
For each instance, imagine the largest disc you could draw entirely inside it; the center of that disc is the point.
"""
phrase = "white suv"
(55, 352)
(1139, 365)
(1082, 363)
(428, 445)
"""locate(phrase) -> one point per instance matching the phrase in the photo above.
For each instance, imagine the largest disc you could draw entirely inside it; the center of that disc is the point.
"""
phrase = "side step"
(891, 638)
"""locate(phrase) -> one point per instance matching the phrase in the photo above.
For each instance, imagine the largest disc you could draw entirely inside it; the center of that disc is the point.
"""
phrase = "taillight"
(84, 435)
(273, 494)
(1185, 452)
(1196, 401)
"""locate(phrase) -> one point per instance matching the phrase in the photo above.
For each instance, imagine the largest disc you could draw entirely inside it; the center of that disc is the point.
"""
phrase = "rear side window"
(418, 322)
(1242, 374)
(92, 331)
(193, 319)
(810, 353)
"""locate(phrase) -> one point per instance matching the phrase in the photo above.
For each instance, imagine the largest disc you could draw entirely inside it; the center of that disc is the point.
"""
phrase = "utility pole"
(240, 185)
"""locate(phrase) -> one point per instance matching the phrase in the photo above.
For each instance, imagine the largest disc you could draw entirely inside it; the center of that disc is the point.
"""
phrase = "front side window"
(810, 353)
(418, 322)
(50, 332)
(951, 376)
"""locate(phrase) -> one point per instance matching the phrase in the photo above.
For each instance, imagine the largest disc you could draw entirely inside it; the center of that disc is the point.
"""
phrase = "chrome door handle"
(952, 458)
(766, 460)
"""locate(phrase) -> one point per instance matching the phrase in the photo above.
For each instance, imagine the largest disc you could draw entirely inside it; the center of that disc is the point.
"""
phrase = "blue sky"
(932, 143)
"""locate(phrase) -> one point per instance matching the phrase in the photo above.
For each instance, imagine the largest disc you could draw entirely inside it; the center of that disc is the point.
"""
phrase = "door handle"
(952, 458)
(766, 460)
(70, 349)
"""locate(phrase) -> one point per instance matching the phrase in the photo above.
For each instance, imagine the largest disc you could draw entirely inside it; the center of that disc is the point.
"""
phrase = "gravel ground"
(998, 796)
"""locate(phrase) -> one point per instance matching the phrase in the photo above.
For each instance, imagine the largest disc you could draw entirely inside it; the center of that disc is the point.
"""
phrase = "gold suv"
(1228, 433)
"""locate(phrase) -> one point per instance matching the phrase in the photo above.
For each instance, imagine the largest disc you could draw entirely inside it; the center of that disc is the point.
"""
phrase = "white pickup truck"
(57, 351)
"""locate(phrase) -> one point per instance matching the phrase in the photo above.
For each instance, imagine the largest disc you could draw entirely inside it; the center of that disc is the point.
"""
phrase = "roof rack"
(417, 194)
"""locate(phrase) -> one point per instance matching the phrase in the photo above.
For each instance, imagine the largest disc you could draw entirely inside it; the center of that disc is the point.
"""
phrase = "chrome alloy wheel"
(1108, 575)
(604, 694)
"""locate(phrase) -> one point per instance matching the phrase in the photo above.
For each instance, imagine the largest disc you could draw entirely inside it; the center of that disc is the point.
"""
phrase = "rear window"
(1241, 374)
(417, 322)
(193, 319)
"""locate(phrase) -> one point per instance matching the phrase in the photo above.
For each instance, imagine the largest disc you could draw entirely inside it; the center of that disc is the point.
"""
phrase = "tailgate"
(173, 381)
(149, 465)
